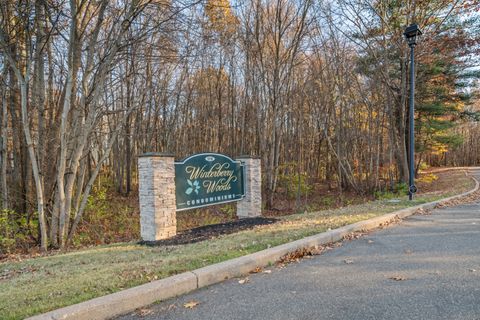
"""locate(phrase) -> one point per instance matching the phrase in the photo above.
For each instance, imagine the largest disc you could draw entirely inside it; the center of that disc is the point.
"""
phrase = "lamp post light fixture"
(411, 33)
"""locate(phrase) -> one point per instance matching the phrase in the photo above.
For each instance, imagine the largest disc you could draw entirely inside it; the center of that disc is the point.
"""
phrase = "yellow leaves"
(221, 18)
(439, 148)
(428, 178)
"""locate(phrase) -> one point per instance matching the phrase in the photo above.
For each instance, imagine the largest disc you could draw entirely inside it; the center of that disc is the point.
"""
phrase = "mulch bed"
(211, 231)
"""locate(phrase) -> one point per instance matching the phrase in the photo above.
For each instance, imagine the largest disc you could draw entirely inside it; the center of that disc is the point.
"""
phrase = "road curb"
(126, 300)
(131, 299)
(436, 170)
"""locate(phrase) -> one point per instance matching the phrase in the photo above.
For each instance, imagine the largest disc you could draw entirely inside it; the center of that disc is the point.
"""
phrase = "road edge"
(128, 300)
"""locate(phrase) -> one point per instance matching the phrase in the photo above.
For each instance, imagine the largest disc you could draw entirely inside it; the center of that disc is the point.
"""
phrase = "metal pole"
(411, 146)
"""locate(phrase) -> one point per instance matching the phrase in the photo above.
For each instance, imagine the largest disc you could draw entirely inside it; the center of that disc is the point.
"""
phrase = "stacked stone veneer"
(251, 205)
(157, 196)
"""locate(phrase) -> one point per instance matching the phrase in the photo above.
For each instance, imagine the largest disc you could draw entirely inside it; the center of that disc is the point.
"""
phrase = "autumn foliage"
(317, 89)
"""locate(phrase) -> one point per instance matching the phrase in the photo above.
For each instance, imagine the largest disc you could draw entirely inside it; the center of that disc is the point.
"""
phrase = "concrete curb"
(130, 299)
(436, 170)
(126, 300)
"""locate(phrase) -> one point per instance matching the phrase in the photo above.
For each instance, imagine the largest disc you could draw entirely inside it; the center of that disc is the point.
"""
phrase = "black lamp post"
(411, 33)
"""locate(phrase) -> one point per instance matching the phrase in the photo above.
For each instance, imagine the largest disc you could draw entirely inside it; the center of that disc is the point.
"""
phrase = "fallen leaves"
(256, 270)
(244, 281)
(295, 256)
(390, 222)
(7, 274)
(166, 308)
(423, 212)
(192, 304)
(260, 270)
(144, 312)
(354, 235)
(473, 197)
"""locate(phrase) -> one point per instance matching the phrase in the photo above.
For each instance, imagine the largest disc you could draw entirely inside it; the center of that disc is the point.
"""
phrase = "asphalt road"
(435, 259)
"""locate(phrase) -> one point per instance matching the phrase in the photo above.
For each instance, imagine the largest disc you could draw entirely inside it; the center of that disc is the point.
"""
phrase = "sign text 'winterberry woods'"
(206, 179)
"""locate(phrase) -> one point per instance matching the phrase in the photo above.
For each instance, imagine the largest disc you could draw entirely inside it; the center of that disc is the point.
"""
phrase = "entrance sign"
(206, 179)
(167, 186)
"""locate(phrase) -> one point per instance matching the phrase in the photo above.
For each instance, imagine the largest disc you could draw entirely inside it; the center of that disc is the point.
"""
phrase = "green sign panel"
(206, 179)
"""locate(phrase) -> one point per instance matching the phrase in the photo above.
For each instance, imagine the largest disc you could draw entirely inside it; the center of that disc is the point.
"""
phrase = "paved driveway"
(435, 259)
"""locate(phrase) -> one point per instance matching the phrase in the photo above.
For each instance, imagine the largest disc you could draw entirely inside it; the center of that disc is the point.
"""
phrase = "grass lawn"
(36, 285)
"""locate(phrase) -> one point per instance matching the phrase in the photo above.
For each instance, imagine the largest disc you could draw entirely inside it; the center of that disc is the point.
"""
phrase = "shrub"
(399, 189)
(16, 231)
(108, 217)
(292, 182)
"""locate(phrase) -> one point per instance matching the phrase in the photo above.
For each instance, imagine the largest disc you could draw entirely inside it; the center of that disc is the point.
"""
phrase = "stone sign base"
(251, 205)
(156, 175)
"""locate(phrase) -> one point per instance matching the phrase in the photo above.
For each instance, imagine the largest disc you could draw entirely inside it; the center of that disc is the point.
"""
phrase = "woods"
(317, 89)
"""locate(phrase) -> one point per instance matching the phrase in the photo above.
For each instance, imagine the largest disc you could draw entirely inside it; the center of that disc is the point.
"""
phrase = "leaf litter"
(143, 312)
(473, 197)
(257, 270)
(191, 304)
(244, 280)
